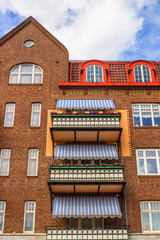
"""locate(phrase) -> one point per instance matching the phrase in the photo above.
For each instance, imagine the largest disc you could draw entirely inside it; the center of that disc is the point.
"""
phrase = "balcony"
(85, 234)
(86, 179)
(86, 126)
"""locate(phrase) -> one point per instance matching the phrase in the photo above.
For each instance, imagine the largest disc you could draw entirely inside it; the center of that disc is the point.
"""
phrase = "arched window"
(142, 73)
(94, 73)
(26, 74)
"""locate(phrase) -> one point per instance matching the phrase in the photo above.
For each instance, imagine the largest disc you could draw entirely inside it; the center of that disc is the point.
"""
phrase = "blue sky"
(91, 29)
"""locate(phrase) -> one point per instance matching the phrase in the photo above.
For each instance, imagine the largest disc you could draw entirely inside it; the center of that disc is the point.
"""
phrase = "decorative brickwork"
(74, 72)
(118, 72)
(158, 71)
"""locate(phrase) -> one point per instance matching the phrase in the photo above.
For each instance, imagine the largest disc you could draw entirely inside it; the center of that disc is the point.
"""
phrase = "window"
(148, 161)
(142, 73)
(146, 115)
(150, 213)
(4, 162)
(94, 73)
(86, 223)
(9, 115)
(29, 216)
(36, 115)
(26, 74)
(32, 162)
(2, 215)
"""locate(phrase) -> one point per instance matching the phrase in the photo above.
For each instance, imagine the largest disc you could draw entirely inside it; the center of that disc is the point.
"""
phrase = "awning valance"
(79, 104)
(86, 206)
(85, 151)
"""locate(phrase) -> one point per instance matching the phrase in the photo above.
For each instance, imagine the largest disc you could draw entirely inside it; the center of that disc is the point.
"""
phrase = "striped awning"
(86, 206)
(79, 104)
(85, 151)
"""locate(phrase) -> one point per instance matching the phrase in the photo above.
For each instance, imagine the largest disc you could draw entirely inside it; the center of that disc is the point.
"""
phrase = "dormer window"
(142, 73)
(94, 73)
(26, 74)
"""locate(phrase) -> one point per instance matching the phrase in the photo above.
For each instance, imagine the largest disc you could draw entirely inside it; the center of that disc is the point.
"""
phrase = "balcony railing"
(85, 234)
(92, 174)
(86, 121)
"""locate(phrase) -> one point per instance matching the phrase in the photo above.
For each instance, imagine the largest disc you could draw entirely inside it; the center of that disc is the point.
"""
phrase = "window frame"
(36, 158)
(80, 224)
(142, 73)
(3, 211)
(94, 73)
(9, 111)
(144, 157)
(29, 211)
(3, 158)
(150, 216)
(19, 73)
(144, 111)
(32, 113)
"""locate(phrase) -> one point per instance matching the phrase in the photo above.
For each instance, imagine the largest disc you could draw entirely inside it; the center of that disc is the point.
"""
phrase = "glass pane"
(98, 223)
(37, 69)
(144, 206)
(156, 221)
(146, 119)
(9, 119)
(32, 166)
(29, 222)
(156, 117)
(1, 221)
(15, 69)
(152, 166)
(141, 166)
(74, 223)
(136, 119)
(26, 68)
(14, 78)
(26, 78)
(155, 206)
(86, 223)
(145, 222)
(35, 118)
(37, 78)
(4, 167)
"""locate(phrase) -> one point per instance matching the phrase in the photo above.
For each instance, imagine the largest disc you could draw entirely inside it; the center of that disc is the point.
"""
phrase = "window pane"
(86, 223)
(156, 221)
(144, 206)
(152, 166)
(146, 119)
(74, 223)
(145, 222)
(14, 78)
(32, 166)
(9, 119)
(29, 221)
(141, 166)
(26, 78)
(26, 68)
(1, 221)
(136, 119)
(37, 69)
(98, 223)
(35, 118)
(15, 69)
(4, 167)
(156, 117)
(37, 78)
(155, 206)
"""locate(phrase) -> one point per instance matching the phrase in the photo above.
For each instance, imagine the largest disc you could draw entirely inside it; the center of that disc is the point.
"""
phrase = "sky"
(93, 29)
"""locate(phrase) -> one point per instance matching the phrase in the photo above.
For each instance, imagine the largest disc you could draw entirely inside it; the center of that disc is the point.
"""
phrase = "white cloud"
(97, 29)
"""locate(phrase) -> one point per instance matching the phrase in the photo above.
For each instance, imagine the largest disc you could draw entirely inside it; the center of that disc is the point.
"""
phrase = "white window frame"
(150, 216)
(35, 157)
(29, 211)
(32, 114)
(18, 73)
(146, 106)
(142, 73)
(2, 210)
(3, 158)
(10, 108)
(94, 73)
(144, 157)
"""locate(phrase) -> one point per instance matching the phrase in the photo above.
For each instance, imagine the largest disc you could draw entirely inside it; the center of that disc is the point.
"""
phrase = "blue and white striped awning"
(79, 104)
(85, 151)
(86, 206)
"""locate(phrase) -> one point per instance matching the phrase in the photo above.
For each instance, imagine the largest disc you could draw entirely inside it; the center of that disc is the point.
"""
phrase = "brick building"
(79, 141)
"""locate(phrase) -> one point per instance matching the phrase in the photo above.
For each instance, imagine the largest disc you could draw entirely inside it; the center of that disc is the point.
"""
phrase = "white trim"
(145, 161)
(32, 113)
(94, 73)
(33, 157)
(3, 211)
(10, 108)
(19, 73)
(142, 73)
(29, 211)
